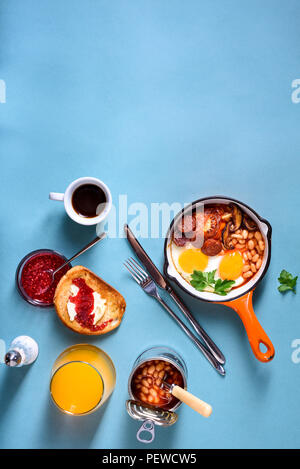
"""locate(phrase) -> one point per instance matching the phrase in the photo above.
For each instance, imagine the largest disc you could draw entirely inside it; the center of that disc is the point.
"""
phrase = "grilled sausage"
(211, 247)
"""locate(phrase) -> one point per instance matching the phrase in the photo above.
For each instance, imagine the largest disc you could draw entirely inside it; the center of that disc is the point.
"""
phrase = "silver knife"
(162, 283)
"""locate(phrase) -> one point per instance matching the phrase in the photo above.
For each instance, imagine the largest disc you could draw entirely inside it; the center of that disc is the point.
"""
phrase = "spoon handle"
(88, 246)
(192, 401)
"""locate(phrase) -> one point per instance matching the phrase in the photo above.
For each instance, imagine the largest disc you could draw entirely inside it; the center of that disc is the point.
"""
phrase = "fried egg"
(192, 259)
(231, 266)
(228, 266)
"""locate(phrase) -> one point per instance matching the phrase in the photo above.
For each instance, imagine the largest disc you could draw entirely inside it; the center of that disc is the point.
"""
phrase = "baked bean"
(250, 235)
(234, 241)
(245, 256)
(248, 274)
(237, 236)
(250, 244)
(147, 383)
(239, 246)
(261, 245)
(249, 255)
(258, 235)
(255, 258)
(253, 268)
(246, 268)
(258, 263)
(153, 392)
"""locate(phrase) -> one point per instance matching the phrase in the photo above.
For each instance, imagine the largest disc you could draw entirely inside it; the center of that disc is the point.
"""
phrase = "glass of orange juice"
(83, 377)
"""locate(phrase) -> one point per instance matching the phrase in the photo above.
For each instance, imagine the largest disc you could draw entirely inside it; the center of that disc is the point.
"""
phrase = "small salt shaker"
(22, 351)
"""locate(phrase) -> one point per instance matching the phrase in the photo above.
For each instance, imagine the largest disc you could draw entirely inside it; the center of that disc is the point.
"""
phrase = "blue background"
(164, 101)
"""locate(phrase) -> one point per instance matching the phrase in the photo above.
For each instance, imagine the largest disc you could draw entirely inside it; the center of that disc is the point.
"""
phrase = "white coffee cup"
(66, 198)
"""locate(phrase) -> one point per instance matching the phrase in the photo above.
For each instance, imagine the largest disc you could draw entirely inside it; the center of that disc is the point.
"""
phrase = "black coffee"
(88, 200)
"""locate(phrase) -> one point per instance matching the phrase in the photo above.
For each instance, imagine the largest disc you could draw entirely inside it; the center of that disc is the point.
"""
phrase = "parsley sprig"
(205, 281)
(287, 282)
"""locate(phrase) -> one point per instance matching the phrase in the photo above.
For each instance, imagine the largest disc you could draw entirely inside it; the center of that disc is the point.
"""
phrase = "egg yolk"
(231, 266)
(192, 259)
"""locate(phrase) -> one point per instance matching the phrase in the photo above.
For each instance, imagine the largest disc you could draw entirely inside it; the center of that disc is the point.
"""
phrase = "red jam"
(84, 305)
(37, 282)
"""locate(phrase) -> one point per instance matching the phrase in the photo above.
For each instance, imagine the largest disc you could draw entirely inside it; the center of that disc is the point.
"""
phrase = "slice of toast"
(115, 303)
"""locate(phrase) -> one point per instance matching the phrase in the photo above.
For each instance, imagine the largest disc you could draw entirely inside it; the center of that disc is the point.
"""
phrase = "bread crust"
(114, 300)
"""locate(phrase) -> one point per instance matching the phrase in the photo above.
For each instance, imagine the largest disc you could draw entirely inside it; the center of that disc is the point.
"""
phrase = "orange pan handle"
(256, 335)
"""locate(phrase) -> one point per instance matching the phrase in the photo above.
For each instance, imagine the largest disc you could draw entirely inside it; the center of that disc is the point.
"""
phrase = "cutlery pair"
(148, 284)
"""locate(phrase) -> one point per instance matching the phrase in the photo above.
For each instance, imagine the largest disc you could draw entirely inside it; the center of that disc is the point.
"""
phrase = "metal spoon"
(52, 272)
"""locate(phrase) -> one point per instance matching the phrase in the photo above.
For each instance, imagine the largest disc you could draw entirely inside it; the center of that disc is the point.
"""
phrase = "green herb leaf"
(211, 277)
(222, 287)
(201, 280)
(287, 281)
(205, 281)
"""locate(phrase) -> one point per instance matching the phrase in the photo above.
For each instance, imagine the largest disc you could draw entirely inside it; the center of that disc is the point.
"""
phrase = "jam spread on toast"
(84, 305)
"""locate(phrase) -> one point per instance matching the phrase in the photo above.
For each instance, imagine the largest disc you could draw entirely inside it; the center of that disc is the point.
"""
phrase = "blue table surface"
(165, 102)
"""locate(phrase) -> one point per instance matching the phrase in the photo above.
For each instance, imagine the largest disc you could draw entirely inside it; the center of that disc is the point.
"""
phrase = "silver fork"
(147, 284)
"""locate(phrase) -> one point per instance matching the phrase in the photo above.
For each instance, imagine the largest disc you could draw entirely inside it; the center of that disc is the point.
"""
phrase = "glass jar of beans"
(150, 400)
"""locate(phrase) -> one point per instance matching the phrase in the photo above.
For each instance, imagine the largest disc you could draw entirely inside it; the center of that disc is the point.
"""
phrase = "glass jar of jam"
(150, 400)
(33, 281)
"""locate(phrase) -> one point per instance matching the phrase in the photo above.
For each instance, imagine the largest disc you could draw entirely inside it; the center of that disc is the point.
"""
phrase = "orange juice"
(83, 377)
